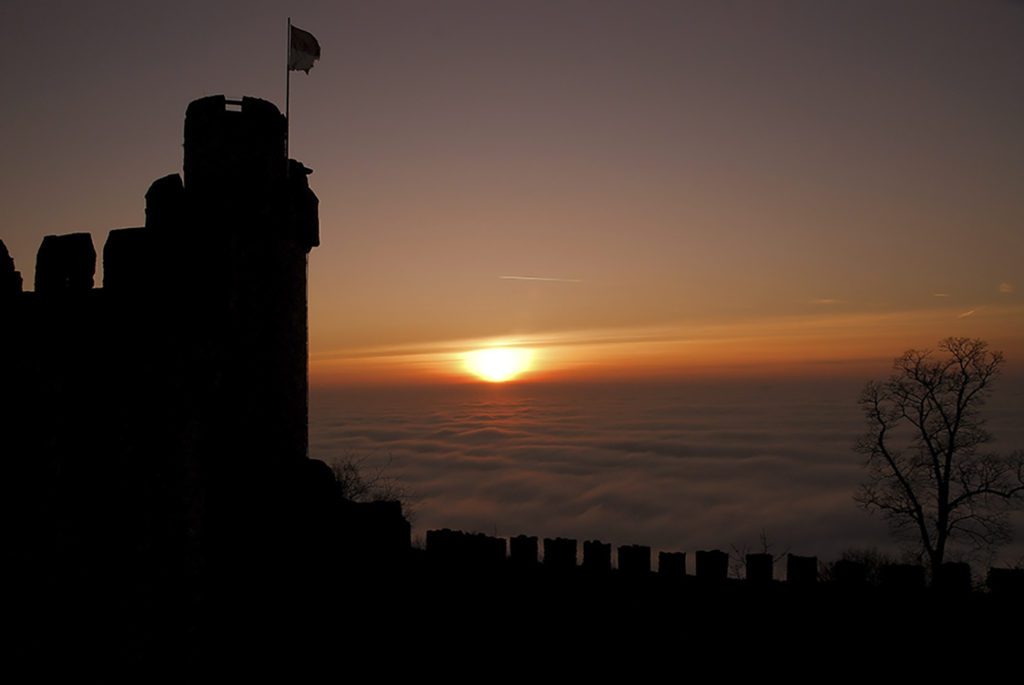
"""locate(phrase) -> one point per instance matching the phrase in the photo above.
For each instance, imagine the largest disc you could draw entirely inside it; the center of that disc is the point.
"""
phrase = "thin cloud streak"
(789, 328)
(544, 279)
(804, 346)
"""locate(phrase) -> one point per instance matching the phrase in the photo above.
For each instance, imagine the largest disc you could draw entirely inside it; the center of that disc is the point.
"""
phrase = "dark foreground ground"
(424, 617)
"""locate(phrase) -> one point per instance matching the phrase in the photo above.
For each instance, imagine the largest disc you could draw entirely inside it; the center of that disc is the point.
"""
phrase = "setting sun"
(498, 364)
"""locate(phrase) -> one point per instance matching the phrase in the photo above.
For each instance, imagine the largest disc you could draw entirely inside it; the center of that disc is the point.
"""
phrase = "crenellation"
(759, 567)
(523, 551)
(560, 553)
(849, 574)
(10, 278)
(597, 556)
(131, 259)
(801, 570)
(456, 550)
(672, 564)
(166, 203)
(712, 565)
(635, 559)
(65, 264)
(1006, 582)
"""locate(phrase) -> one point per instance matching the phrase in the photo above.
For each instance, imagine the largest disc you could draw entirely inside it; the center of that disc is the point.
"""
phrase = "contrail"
(541, 278)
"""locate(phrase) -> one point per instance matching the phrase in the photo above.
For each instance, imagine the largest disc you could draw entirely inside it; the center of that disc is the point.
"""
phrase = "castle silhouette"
(155, 429)
(160, 505)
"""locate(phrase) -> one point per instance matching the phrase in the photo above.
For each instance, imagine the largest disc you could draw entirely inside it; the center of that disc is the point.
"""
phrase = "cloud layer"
(680, 466)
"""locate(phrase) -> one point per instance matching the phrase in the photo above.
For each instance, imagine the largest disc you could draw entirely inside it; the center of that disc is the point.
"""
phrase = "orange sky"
(827, 344)
(714, 188)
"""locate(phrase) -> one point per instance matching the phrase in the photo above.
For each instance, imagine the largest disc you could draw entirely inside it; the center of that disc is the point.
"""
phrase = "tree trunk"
(936, 557)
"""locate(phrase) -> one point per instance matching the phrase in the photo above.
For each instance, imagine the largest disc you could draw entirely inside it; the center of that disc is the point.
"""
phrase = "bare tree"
(362, 483)
(927, 473)
(738, 555)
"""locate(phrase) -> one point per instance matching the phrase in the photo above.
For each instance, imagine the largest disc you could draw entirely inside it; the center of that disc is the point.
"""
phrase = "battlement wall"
(461, 553)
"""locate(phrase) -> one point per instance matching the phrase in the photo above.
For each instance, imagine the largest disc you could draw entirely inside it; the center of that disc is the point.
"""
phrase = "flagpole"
(287, 92)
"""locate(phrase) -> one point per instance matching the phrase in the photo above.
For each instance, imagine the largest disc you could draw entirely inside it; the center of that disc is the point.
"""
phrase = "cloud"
(540, 278)
(673, 469)
(766, 345)
(826, 300)
(1006, 287)
(940, 295)
(675, 466)
(964, 315)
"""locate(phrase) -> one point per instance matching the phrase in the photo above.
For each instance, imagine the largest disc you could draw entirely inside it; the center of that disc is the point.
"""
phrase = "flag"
(303, 52)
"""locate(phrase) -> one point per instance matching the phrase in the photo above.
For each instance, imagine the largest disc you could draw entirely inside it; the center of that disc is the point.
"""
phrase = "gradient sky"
(716, 187)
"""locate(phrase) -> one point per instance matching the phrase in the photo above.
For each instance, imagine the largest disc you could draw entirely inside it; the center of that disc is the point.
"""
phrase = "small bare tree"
(360, 482)
(738, 555)
(927, 473)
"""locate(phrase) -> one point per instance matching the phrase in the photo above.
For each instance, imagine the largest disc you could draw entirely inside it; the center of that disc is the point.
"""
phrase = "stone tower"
(159, 411)
(253, 219)
(225, 254)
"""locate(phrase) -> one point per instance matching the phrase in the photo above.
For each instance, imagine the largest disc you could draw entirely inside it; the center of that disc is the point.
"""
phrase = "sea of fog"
(677, 466)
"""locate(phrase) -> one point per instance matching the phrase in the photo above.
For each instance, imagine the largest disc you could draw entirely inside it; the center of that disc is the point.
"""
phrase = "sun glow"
(498, 364)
